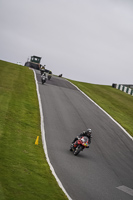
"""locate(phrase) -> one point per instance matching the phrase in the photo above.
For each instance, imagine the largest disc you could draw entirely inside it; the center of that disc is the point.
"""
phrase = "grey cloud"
(88, 40)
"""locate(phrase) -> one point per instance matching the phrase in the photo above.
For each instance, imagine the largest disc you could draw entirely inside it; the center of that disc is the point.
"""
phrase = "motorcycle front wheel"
(43, 81)
(77, 150)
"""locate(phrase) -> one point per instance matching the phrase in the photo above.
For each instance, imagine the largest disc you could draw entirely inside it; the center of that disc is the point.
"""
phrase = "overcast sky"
(85, 40)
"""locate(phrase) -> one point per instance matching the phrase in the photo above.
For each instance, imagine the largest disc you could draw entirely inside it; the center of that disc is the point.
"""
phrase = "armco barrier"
(123, 88)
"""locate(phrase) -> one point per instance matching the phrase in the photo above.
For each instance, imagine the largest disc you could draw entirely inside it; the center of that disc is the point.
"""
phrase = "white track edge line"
(103, 111)
(44, 141)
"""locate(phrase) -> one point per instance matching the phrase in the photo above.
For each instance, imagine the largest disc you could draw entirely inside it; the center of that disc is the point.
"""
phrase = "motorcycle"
(79, 145)
(43, 79)
(49, 76)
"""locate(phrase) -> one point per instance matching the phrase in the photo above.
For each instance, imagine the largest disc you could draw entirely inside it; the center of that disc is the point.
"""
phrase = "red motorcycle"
(79, 145)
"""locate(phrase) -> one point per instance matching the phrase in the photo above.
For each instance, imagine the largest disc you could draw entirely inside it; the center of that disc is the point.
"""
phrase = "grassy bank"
(25, 173)
(115, 102)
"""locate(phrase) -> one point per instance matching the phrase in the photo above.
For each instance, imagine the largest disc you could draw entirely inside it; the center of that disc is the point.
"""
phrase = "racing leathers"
(84, 133)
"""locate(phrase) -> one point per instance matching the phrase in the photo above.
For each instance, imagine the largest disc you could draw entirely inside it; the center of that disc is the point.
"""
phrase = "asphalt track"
(102, 172)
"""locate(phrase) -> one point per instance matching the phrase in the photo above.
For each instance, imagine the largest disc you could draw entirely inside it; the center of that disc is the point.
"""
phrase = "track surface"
(97, 172)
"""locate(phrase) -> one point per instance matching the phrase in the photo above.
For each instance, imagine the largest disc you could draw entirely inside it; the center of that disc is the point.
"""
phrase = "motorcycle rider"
(43, 76)
(49, 75)
(86, 133)
(42, 69)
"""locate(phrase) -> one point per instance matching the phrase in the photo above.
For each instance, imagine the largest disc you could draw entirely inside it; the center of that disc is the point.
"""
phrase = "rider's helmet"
(88, 132)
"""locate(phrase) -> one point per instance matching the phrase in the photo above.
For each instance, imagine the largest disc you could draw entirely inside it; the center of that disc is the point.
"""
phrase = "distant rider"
(42, 69)
(86, 133)
(43, 77)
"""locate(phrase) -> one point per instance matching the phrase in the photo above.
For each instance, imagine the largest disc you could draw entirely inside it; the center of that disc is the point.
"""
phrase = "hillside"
(25, 173)
(115, 102)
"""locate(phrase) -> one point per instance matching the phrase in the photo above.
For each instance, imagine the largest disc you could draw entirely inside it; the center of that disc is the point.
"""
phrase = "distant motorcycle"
(43, 78)
(49, 76)
(79, 145)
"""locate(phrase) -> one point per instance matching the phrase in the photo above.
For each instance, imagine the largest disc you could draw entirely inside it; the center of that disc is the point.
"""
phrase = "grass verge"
(115, 102)
(25, 173)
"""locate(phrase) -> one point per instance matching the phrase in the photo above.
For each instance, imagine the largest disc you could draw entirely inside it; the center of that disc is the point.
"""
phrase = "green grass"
(24, 172)
(115, 102)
